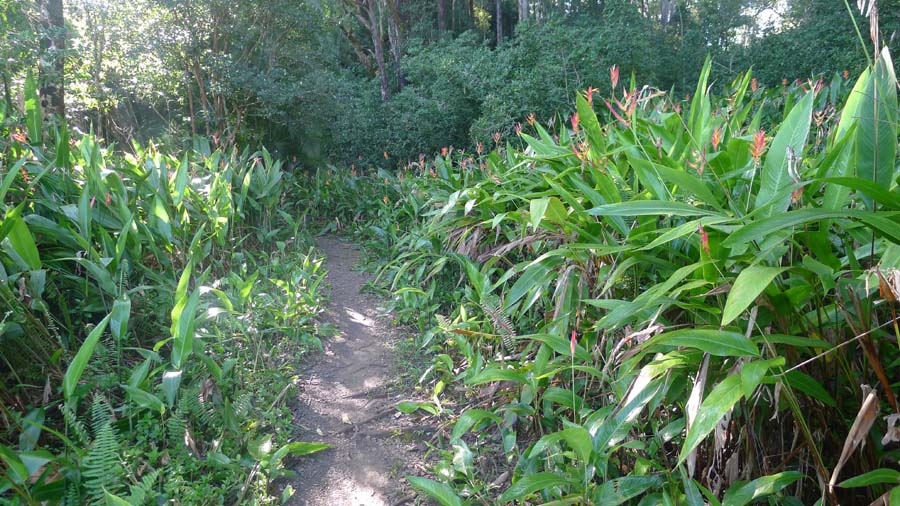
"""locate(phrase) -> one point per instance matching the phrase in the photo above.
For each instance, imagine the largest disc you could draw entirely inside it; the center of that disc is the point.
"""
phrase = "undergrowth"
(157, 304)
(658, 302)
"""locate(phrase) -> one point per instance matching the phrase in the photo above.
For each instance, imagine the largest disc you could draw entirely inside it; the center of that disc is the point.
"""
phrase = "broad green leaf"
(650, 208)
(31, 429)
(471, 418)
(875, 477)
(114, 500)
(621, 490)
(683, 180)
(752, 373)
(33, 113)
(785, 152)
(9, 177)
(145, 399)
(118, 322)
(721, 343)
(170, 382)
(79, 363)
(297, 448)
(492, 374)
(751, 282)
(793, 341)
(546, 209)
(872, 105)
(764, 227)
(84, 215)
(875, 191)
(139, 373)
(589, 123)
(180, 183)
(810, 386)
(260, 448)
(561, 345)
(766, 485)
(576, 437)
(719, 402)
(412, 406)
(440, 492)
(16, 469)
(62, 147)
(34, 460)
(183, 319)
(531, 483)
(22, 244)
(534, 276)
(699, 115)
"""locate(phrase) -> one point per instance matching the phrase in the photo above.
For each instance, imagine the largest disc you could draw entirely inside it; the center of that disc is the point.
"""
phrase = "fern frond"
(101, 414)
(501, 323)
(443, 322)
(144, 491)
(176, 426)
(101, 469)
(78, 431)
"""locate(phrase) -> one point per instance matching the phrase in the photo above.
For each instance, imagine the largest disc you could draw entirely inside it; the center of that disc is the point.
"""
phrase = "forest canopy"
(350, 80)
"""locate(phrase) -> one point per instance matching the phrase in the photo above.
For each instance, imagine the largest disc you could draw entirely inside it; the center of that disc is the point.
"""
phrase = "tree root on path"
(393, 431)
(376, 416)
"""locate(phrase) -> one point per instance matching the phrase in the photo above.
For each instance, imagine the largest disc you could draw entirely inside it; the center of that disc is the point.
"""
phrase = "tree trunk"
(523, 10)
(375, 28)
(357, 49)
(52, 66)
(499, 16)
(442, 16)
(394, 36)
(7, 96)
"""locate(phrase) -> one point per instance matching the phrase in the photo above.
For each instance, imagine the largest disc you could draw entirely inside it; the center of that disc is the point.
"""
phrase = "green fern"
(101, 469)
(501, 323)
(443, 322)
(77, 431)
(144, 491)
(243, 405)
(176, 425)
(101, 414)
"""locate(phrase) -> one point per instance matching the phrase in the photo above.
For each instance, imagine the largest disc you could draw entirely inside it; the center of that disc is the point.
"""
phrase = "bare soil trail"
(347, 398)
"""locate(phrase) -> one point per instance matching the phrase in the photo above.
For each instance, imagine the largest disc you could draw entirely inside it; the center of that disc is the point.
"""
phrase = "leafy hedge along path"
(347, 400)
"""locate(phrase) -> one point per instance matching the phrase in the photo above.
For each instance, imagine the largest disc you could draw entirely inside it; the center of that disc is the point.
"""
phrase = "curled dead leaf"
(892, 433)
(865, 418)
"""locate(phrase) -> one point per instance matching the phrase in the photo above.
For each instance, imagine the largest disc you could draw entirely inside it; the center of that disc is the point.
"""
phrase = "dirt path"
(347, 400)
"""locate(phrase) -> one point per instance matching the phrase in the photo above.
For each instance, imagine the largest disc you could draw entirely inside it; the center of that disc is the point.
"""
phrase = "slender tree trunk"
(7, 95)
(190, 96)
(379, 49)
(442, 16)
(357, 49)
(52, 67)
(204, 100)
(394, 36)
(499, 8)
(523, 10)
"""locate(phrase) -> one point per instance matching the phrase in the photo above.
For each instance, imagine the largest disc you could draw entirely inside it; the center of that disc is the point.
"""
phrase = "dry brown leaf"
(892, 433)
(47, 392)
(865, 418)
(883, 500)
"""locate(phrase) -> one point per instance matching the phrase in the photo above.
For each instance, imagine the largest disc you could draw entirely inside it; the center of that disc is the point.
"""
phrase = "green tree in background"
(339, 79)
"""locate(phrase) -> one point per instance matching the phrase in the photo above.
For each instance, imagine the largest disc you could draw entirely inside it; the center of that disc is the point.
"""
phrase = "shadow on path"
(346, 400)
